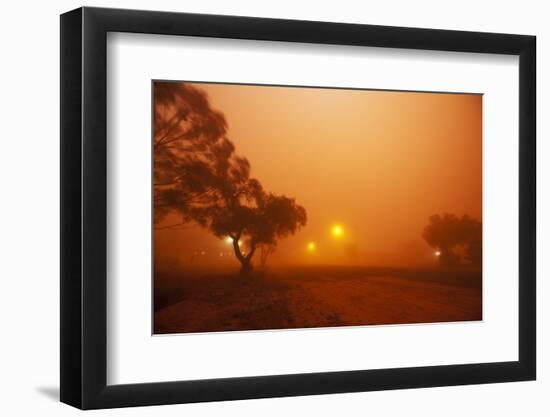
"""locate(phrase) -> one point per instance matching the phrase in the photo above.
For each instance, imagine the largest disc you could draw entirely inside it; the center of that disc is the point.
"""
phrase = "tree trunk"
(246, 261)
(448, 258)
(246, 267)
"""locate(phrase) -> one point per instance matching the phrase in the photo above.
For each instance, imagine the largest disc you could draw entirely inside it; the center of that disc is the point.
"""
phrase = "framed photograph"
(257, 208)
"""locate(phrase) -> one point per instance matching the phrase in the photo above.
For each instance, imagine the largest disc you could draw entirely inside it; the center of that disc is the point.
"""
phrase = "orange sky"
(377, 163)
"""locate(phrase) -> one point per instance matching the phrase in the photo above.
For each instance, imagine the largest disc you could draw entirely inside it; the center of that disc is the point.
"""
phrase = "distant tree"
(198, 175)
(474, 243)
(258, 218)
(448, 232)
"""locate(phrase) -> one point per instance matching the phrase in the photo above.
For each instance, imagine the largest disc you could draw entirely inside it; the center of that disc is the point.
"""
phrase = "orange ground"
(313, 297)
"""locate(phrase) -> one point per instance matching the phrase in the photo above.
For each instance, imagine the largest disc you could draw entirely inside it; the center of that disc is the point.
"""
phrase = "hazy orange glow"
(379, 163)
(337, 231)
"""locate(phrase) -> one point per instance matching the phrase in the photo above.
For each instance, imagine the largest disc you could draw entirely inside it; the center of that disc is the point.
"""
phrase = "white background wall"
(29, 237)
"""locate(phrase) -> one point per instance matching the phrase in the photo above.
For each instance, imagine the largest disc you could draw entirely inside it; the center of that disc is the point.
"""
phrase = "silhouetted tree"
(474, 242)
(254, 216)
(448, 232)
(188, 141)
(198, 175)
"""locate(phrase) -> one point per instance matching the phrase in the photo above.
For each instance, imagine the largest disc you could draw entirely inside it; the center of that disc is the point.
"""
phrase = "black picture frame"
(84, 207)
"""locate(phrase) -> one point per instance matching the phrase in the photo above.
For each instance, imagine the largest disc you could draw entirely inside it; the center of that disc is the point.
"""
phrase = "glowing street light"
(311, 247)
(437, 253)
(337, 231)
(229, 241)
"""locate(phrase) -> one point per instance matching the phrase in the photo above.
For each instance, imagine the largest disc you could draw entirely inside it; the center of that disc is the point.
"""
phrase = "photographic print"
(289, 207)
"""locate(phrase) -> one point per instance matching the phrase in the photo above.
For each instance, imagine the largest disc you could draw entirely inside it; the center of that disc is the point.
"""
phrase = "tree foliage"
(198, 174)
(447, 232)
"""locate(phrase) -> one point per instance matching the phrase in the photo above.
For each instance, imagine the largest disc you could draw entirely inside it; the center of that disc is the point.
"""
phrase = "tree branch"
(173, 227)
(251, 253)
